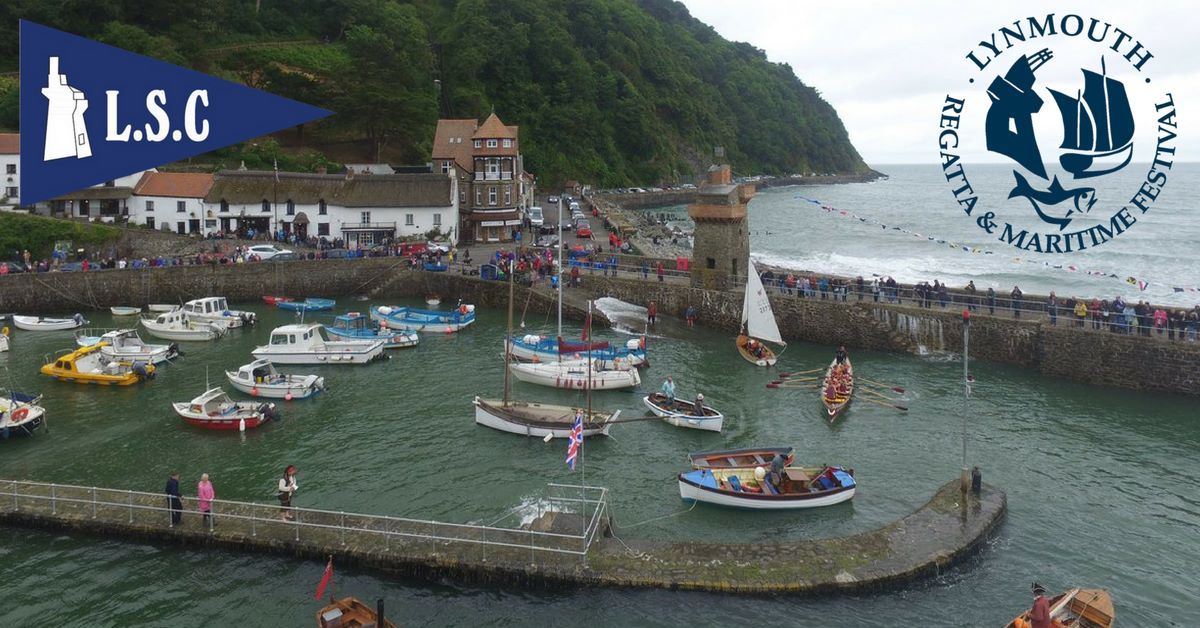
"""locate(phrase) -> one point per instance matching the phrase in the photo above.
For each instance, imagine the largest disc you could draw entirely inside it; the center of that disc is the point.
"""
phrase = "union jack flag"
(576, 440)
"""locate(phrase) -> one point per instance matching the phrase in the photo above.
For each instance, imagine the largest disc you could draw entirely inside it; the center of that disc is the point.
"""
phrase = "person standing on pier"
(1052, 308)
(174, 499)
(660, 271)
(1015, 298)
(287, 488)
(991, 300)
(970, 290)
(652, 314)
(204, 497)
(1039, 614)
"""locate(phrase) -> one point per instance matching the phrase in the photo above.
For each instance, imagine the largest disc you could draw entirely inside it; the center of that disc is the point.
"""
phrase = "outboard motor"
(268, 411)
(173, 349)
(248, 318)
(139, 369)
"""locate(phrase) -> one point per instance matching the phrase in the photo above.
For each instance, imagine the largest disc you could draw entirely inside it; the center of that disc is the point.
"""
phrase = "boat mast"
(587, 417)
(560, 267)
(509, 336)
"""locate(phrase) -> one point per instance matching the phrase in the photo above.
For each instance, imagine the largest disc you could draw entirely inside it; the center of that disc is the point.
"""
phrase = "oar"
(868, 391)
(875, 383)
(809, 385)
(885, 404)
(797, 379)
(783, 375)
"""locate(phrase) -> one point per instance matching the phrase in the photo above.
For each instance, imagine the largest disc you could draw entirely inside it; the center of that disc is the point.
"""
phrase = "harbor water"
(1102, 485)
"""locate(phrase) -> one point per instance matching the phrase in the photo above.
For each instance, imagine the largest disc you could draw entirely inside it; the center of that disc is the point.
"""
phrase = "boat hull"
(739, 458)
(198, 334)
(392, 340)
(224, 423)
(125, 311)
(424, 321)
(19, 418)
(492, 413)
(768, 358)
(298, 387)
(351, 356)
(547, 351)
(574, 377)
(34, 323)
(834, 407)
(757, 501)
(711, 422)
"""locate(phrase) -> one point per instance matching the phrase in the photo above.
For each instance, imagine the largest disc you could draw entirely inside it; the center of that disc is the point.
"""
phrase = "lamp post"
(966, 473)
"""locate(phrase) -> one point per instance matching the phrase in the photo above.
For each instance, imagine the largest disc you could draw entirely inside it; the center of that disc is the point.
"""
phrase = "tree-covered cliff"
(610, 91)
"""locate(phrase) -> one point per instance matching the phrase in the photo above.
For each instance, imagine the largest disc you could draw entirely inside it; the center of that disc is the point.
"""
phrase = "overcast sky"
(887, 66)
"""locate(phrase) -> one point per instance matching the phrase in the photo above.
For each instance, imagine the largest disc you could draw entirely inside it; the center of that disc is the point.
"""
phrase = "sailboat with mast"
(758, 323)
(535, 419)
(1097, 126)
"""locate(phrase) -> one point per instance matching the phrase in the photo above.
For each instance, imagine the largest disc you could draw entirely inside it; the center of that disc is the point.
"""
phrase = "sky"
(887, 67)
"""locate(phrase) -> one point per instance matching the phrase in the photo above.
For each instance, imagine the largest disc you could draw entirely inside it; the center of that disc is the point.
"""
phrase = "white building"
(172, 201)
(10, 161)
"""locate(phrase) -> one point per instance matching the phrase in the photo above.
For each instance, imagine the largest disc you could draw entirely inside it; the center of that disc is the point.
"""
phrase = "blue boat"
(310, 304)
(548, 349)
(358, 326)
(428, 321)
(435, 267)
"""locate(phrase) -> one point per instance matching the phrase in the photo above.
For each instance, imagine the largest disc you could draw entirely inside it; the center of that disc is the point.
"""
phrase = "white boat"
(3, 340)
(125, 344)
(303, 344)
(118, 310)
(546, 349)
(20, 414)
(260, 379)
(747, 487)
(528, 418)
(682, 413)
(425, 321)
(161, 307)
(758, 323)
(574, 375)
(433, 299)
(216, 310)
(173, 325)
(38, 323)
(214, 410)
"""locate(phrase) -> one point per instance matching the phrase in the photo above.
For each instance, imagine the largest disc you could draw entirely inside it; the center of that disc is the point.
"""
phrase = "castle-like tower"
(722, 239)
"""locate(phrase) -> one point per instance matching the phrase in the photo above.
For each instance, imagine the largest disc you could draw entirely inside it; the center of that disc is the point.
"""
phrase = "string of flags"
(1141, 284)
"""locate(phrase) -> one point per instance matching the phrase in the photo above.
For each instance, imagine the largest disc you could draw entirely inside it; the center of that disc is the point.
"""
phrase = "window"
(492, 195)
(478, 143)
(322, 228)
(493, 143)
(508, 143)
(11, 168)
(110, 184)
(478, 196)
(445, 167)
(150, 222)
(224, 205)
(266, 206)
(711, 263)
(291, 208)
(322, 209)
(149, 206)
(462, 194)
(180, 206)
(408, 220)
(10, 191)
(508, 195)
(365, 218)
(437, 220)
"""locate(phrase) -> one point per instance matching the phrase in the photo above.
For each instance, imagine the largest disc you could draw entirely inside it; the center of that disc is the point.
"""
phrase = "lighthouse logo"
(66, 134)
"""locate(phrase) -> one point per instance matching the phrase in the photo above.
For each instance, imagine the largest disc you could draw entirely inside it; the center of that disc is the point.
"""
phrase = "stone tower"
(721, 246)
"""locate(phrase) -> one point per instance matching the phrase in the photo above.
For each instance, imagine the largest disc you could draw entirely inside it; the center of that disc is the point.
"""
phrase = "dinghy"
(38, 323)
(575, 375)
(161, 307)
(758, 323)
(269, 300)
(1078, 608)
(799, 487)
(173, 325)
(90, 366)
(837, 389)
(358, 326)
(20, 414)
(303, 344)
(3, 340)
(310, 304)
(125, 344)
(739, 458)
(214, 410)
(547, 349)
(433, 299)
(682, 413)
(350, 612)
(260, 379)
(216, 310)
(427, 321)
(118, 310)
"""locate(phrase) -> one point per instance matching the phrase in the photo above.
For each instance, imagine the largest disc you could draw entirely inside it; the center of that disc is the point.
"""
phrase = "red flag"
(587, 328)
(325, 580)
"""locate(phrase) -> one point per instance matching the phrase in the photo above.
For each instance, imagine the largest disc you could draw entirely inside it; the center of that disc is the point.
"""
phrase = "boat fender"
(4, 331)
(19, 415)
(633, 344)
(254, 391)
(463, 309)
(385, 310)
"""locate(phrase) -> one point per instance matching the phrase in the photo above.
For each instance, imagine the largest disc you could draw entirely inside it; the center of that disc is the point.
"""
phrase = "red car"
(583, 229)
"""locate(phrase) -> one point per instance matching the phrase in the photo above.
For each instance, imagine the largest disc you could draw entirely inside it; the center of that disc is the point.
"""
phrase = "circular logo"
(1070, 139)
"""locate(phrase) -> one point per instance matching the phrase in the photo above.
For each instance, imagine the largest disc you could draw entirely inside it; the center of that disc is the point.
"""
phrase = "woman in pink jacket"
(205, 496)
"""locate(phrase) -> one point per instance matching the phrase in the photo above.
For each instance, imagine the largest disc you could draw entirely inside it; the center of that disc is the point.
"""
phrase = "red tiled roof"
(493, 128)
(453, 141)
(10, 143)
(179, 184)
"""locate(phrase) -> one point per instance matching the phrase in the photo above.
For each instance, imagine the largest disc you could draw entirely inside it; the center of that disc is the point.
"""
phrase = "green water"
(1102, 485)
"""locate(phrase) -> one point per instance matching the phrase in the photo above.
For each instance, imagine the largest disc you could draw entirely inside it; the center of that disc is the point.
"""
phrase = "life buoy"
(19, 415)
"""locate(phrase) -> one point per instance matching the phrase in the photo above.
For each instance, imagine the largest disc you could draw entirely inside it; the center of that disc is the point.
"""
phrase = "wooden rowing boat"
(739, 458)
(758, 323)
(800, 487)
(765, 357)
(682, 413)
(350, 612)
(1083, 608)
(837, 402)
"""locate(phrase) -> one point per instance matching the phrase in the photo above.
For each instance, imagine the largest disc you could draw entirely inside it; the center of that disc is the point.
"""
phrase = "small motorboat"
(310, 304)
(125, 344)
(750, 488)
(216, 310)
(161, 307)
(547, 349)
(173, 325)
(427, 321)
(20, 414)
(682, 413)
(435, 267)
(118, 310)
(3, 340)
(739, 458)
(260, 379)
(837, 389)
(269, 300)
(1078, 608)
(358, 326)
(89, 365)
(575, 375)
(433, 299)
(38, 323)
(539, 419)
(350, 612)
(214, 410)
(303, 344)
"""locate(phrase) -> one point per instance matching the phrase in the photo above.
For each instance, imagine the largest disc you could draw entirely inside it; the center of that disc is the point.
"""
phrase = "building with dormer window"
(494, 189)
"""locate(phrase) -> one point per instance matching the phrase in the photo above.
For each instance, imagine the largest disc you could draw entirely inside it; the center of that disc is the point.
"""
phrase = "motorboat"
(746, 458)
(273, 300)
(260, 379)
(161, 307)
(358, 326)
(39, 323)
(118, 310)
(799, 487)
(547, 349)
(428, 321)
(540, 419)
(302, 343)
(216, 310)
(310, 304)
(214, 410)
(89, 365)
(173, 325)
(3, 340)
(682, 413)
(20, 413)
(125, 344)
(575, 375)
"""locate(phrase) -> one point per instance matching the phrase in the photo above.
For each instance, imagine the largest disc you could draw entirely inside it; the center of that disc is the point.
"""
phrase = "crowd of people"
(286, 488)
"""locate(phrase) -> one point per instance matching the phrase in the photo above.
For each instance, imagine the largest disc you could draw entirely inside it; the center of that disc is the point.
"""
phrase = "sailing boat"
(758, 323)
(1097, 126)
(530, 418)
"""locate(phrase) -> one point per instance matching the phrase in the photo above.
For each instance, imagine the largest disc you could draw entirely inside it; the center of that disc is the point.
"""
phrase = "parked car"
(267, 251)
(583, 229)
(552, 200)
(337, 253)
(547, 241)
(573, 206)
(576, 215)
(285, 256)
(437, 247)
(535, 217)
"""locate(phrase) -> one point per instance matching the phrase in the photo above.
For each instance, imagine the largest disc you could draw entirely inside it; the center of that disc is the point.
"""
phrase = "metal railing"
(324, 528)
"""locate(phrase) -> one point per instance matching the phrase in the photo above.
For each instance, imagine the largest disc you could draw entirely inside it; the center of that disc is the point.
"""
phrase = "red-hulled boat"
(269, 300)
(214, 410)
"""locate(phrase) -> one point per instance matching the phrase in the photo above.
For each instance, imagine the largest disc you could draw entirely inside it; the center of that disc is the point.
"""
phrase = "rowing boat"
(1086, 608)
(538, 420)
(835, 398)
(682, 413)
(38, 323)
(311, 304)
(350, 612)
(739, 458)
(799, 487)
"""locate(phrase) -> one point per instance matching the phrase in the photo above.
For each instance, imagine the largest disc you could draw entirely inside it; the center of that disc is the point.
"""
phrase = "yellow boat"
(89, 366)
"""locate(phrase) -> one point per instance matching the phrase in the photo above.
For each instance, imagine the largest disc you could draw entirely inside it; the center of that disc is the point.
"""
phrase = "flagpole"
(586, 417)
